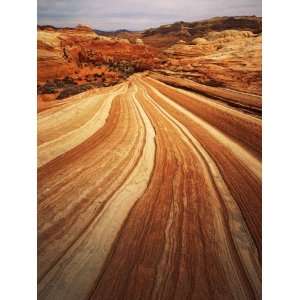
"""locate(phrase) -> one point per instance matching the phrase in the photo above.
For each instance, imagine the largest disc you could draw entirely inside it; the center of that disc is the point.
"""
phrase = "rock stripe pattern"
(147, 191)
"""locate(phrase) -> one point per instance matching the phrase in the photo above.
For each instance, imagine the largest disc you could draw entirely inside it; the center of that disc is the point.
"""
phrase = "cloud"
(136, 15)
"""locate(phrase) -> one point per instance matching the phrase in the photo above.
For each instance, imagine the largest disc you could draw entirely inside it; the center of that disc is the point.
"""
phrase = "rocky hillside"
(228, 58)
(167, 35)
(71, 60)
(222, 51)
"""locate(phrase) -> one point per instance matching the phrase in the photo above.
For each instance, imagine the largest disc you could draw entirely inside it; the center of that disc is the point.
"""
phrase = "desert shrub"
(68, 80)
(70, 91)
(59, 83)
(48, 88)
(129, 70)
(98, 84)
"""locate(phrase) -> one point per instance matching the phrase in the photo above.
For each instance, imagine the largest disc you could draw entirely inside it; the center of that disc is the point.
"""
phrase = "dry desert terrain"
(149, 182)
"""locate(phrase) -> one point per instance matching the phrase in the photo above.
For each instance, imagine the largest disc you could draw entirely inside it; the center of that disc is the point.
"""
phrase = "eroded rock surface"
(149, 162)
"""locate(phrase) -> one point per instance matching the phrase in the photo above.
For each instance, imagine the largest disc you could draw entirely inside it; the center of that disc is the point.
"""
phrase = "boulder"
(139, 42)
(126, 41)
(199, 41)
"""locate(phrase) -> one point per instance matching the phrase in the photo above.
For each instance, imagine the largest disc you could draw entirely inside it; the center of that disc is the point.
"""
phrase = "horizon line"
(138, 30)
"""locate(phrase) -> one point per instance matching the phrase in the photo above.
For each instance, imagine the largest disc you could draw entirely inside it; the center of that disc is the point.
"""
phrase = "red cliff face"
(65, 51)
(68, 58)
(224, 51)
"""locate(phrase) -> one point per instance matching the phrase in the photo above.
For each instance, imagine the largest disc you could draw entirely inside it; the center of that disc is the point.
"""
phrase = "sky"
(138, 15)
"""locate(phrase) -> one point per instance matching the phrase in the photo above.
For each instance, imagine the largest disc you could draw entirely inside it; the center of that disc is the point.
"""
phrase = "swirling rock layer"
(149, 191)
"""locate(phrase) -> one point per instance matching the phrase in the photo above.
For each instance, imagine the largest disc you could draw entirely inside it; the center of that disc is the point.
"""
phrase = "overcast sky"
(138, 15)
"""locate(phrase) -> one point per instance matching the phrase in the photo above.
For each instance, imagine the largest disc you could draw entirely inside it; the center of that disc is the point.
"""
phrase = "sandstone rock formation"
(85, 57)
(147, 191)
(149, 162)
(139, 42)
(198, 41)
(167, 35)
(126, 41)
(229, 34)
(227, 58)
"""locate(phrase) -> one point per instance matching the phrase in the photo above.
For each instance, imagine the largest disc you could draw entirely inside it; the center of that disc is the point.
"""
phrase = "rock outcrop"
(228, 58)
(139, 42)
(217, 52)
(167, 35)
(149, 184)
(144, 187)
(199, 41)
(81, 54)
